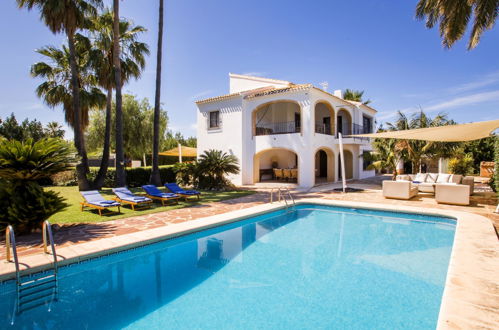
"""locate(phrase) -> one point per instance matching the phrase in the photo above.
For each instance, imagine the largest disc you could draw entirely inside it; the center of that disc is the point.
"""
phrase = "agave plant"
(23, 202)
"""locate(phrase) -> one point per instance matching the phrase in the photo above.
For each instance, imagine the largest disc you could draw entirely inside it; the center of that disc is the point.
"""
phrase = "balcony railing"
(324, 128)
(356, 129)
(277, 128)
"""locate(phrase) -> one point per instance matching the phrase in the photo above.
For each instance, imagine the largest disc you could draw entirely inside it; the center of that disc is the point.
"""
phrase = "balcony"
(355, 129)
(322, 128)
(277, 128)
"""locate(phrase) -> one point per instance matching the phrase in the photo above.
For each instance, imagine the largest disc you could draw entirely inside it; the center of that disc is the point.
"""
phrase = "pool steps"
(36, 290)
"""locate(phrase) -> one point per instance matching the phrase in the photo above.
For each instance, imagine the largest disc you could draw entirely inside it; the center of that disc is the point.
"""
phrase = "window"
(214, 119)
(368, 124)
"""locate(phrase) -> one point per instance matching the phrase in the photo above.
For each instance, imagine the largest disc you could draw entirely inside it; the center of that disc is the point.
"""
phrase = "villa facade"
(274, 124)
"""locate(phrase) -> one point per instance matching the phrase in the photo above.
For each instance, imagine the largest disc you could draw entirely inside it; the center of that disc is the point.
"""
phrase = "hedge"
(135, 177)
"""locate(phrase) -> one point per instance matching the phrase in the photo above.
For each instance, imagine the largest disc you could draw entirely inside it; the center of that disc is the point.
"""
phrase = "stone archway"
(324, 165)
(279, 158)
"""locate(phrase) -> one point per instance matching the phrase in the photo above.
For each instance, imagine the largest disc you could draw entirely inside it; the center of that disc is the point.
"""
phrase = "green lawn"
(73, 213)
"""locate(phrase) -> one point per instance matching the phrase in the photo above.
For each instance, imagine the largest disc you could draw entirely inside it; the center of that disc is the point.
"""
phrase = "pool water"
(311, 267)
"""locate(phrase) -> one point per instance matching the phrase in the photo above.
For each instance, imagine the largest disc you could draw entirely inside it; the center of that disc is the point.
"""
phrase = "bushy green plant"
(212, 168)
(25, 205)
(186, 173)
(462, 164)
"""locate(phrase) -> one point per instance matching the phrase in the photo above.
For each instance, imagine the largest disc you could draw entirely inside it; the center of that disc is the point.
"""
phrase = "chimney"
(338, 93)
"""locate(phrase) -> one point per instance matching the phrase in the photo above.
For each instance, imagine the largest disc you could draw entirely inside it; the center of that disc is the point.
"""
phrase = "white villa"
(274, 124)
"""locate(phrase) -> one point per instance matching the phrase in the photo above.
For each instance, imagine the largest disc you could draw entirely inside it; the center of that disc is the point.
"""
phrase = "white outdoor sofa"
(447, 193)
(426, 182)
(399, 189)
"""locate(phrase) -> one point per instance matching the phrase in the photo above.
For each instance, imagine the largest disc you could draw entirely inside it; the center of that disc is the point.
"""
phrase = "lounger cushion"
(173, 187)
(126, 195)
(95, 198)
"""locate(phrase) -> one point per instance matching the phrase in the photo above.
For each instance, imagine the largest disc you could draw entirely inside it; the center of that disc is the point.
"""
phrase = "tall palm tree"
(120, 156)
(385, 156)
(57, 89)
(155, 177)
(353, 95)
(54, 130)
(132, 57)
(453, 17)
(68, 16)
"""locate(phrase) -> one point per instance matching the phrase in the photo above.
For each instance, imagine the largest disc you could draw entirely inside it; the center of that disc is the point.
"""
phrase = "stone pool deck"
(471, 299)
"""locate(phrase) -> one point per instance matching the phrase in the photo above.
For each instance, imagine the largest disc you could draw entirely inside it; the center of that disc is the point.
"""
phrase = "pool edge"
(464, 302)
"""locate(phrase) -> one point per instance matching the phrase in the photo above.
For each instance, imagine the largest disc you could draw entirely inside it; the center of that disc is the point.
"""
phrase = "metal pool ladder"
(35, 292)
(281, 194)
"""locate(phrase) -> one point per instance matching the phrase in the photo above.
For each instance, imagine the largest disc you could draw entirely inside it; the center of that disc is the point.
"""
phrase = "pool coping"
(471, 292)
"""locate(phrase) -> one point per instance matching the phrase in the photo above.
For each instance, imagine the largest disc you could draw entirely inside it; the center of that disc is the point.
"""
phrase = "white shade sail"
(450, 133)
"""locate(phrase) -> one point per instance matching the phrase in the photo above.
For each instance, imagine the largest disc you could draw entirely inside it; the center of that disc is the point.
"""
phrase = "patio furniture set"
(123, 196)
(447, 188)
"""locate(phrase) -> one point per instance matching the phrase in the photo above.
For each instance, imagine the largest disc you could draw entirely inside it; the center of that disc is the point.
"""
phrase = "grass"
(73, 213)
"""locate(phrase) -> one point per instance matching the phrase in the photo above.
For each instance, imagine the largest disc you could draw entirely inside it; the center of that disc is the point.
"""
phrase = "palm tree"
(385, 156)
(356, 96)
(54, 130)
(57, 89)
(132, 63)
(68, 16)
(120, 157)
(453, 17)
(155, 178)
(415, 150)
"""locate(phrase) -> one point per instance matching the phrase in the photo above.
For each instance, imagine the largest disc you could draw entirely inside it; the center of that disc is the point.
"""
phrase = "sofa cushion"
(443, 178)
(427, 187)
(420, 177)
(456, 178)
(431, 177)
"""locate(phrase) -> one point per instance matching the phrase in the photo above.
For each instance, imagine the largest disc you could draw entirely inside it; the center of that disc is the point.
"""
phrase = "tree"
(155, 178)
(480, 150)
(356, 96)
(23, 202)
(132, 58)
(54, 130)
(385, 156)
(414, 150)
(453, 17)
(68, 16)
(29, 129)
(56, 90)
(120, 156)
(138, 116)
(213, 166)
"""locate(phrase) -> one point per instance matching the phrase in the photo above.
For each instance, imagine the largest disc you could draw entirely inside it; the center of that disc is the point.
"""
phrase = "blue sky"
(372, 45)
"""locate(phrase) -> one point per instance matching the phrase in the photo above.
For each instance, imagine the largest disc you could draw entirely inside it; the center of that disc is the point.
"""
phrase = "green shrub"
(23, 164)
(463, 164)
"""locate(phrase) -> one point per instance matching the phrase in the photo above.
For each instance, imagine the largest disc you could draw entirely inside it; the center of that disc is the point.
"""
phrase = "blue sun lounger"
(94, 199)
(154, 193)
(174, 188)
(125, 196)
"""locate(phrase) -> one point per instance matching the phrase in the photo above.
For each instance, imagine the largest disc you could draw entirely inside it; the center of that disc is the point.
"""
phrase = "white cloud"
(465, 100)
(486, 80)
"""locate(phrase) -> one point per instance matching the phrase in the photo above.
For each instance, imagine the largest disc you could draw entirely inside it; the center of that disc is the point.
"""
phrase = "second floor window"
(367, 124)
(214, 119)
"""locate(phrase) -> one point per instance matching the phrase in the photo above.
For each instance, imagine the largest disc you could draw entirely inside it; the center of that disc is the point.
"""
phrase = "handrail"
(10, 239)
(47, 229)
(280, 195)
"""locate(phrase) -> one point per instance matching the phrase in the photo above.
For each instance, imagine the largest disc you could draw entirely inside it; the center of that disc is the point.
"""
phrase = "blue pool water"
(314, 267)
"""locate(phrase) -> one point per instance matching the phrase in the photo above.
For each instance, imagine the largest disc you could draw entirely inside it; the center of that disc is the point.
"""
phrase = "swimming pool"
(311, 266)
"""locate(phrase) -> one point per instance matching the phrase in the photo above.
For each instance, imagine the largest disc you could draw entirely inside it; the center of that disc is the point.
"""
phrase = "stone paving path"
(66, 235)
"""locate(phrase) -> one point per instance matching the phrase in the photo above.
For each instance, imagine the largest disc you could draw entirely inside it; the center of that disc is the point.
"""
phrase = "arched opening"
(348, 165)
(344, 122)
(275, 165)
(324, 118)
(281, 117)
(324, 165)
